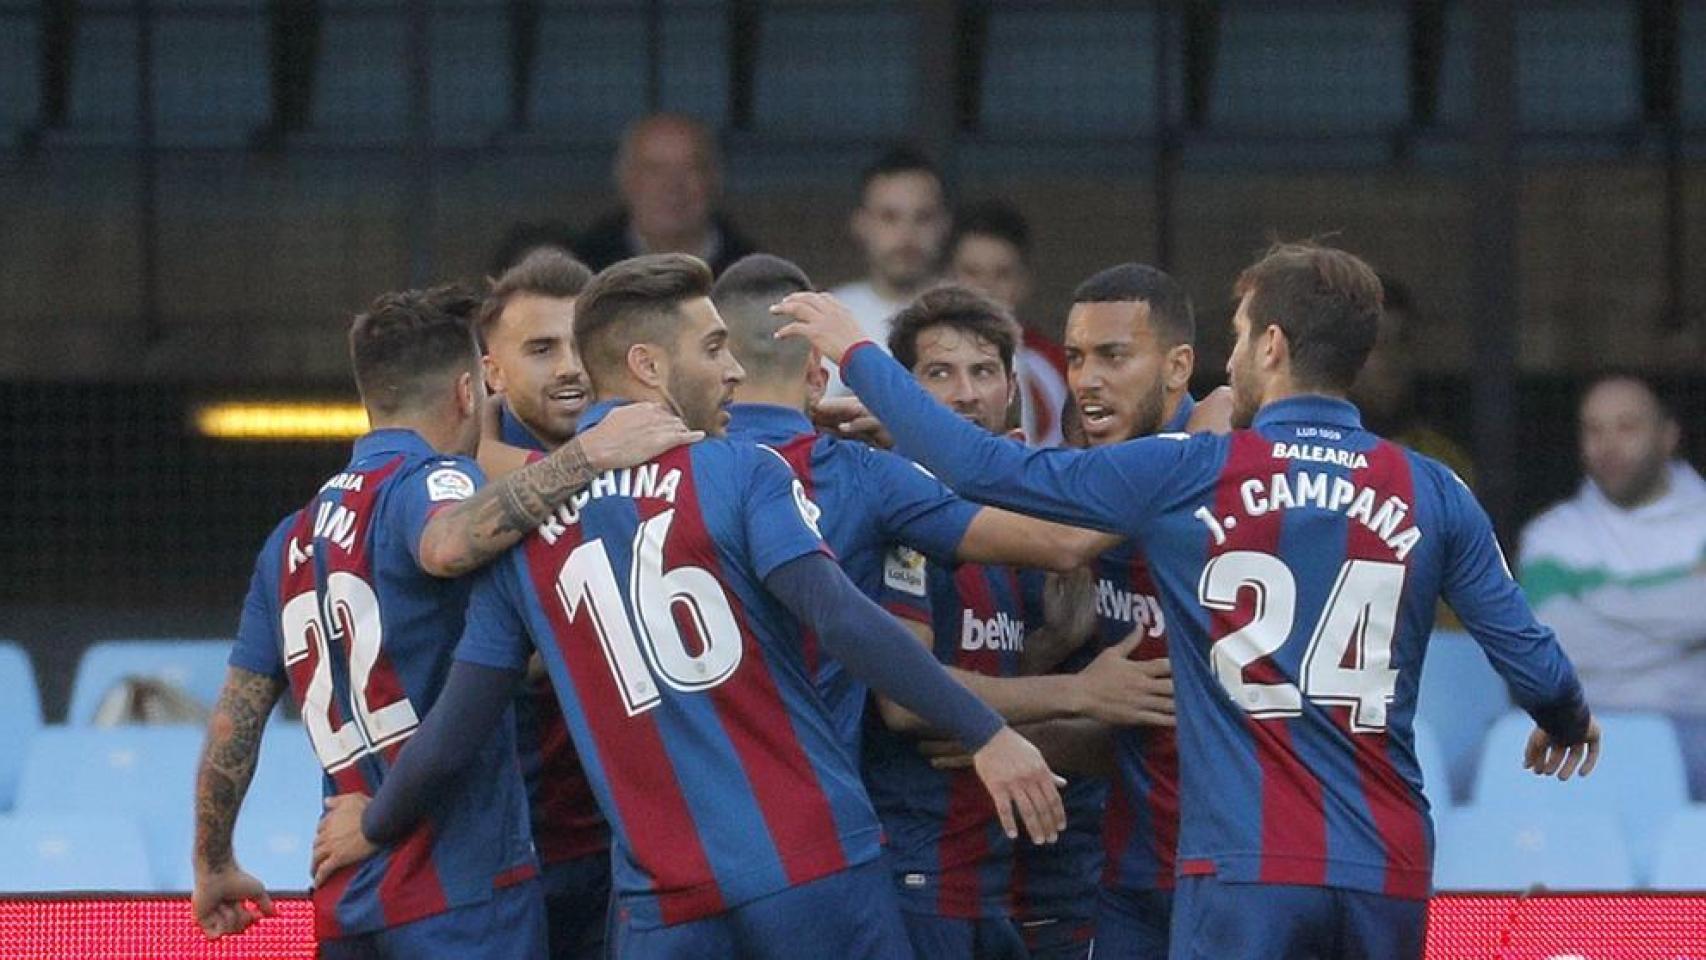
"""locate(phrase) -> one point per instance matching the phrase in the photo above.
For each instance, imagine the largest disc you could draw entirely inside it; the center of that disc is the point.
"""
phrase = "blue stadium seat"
(1436, 779)
(1681, 863)
(1460, 697)
(1501, 849)
(1639, 782)
(197, 666)
(143, 772)
(275, 831)
(48, 853)
(20, 717)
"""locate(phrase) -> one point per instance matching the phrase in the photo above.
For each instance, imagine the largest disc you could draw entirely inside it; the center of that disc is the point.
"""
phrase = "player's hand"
(339, 841)
(847, 417)
(1547, 758)
(1023, 787)
(632, 434)
(221, 901)
(1119, 690)
(821, 319)
(1213, 413)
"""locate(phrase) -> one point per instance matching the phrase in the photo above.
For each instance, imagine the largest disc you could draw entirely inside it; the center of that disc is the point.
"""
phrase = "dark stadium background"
(1533, 171)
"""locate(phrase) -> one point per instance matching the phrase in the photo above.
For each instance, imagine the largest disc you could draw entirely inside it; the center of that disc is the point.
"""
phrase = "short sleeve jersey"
(340, 609)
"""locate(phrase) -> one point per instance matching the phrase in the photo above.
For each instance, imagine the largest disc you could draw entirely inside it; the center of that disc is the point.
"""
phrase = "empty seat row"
(1483, 849)
(145, 777)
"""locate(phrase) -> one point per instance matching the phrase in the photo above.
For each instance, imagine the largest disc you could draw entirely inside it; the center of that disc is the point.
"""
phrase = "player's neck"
(792, 396)
(442, 436)
(1282, 387)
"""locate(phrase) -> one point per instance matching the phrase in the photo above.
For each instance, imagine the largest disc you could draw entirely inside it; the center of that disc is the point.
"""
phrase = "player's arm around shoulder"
(487, 521)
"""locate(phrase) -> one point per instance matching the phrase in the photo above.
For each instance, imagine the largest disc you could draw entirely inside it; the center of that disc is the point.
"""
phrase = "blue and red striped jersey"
(870, 501)
(1299, 564)
(682, 679)
(946, 845)
(340, 609)
(566, 821)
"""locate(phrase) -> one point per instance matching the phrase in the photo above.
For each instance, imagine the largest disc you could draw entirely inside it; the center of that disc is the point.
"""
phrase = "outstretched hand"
(1547, 758)
(821, 319)
(1022, 785)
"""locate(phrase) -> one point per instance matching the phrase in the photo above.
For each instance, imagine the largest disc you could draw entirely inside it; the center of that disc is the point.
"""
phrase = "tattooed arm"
(470, 534)
(222, 889)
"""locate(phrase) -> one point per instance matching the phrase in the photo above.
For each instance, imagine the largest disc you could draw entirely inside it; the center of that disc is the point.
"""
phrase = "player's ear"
(494, 373)
(469, 394)
(817, 377)
(1181, 362)
(647, 364)
(1274, 346)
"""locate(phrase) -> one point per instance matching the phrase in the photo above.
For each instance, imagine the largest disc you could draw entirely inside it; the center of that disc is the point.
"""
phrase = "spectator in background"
(1385, 390)
(1619, 569)
(670, 178)
(991, 252)
(901, 225)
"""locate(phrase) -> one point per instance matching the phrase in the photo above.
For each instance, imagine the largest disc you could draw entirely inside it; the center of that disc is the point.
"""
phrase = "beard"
(699, 404)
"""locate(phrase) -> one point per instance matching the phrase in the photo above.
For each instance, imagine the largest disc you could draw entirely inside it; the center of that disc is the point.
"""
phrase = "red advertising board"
(1575, 927)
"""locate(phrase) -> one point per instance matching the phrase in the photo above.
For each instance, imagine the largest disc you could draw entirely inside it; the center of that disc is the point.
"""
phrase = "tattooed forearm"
(228, 761)
(468, 535)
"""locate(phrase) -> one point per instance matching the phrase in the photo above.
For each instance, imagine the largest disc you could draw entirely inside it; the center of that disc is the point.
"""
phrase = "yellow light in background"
(280, 420)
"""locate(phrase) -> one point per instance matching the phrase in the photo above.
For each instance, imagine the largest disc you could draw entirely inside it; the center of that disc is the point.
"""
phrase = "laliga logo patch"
(809, 511)
(903, 570)
(448, 484)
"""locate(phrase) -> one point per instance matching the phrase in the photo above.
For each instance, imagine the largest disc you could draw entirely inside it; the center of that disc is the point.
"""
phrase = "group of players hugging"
(657, 653)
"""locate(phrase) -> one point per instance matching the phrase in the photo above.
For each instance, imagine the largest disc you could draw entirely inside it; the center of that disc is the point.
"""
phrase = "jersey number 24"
(1359, 619)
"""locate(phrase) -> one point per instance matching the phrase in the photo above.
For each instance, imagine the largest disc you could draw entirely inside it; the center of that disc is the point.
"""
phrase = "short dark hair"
(405, 343)
(959, 307)
(546, 272)
(634, 301)
(1170, 307)
(1326, 301)
(897, 160)
(993, 218)
(744, 295)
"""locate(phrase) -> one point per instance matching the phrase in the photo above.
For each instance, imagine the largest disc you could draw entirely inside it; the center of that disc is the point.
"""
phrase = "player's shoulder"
(1428, 473)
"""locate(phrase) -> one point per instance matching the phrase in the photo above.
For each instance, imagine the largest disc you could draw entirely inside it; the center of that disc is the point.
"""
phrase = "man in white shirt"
(991, 251)
(1619, 569)
(902, 225)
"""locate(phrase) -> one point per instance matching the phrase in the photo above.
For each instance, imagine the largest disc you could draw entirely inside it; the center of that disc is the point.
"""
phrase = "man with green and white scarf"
(1619, 569)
